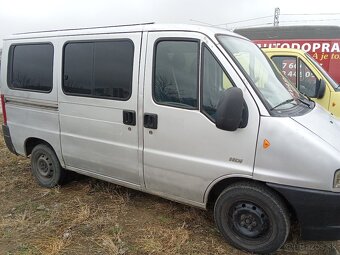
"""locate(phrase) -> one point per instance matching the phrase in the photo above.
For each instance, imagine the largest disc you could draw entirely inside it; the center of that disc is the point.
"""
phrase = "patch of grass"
(116, 230)
(24, 249)
(164, 219)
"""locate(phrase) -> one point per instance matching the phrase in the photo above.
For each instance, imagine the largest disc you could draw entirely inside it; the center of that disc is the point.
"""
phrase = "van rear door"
(98, 106)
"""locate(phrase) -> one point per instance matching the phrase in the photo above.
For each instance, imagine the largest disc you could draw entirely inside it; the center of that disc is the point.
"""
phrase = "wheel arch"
(31, 142)
(218, 185)
(216, 188)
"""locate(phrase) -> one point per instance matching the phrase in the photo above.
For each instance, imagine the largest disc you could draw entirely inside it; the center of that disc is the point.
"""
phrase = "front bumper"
(8, 140)
(318, 211)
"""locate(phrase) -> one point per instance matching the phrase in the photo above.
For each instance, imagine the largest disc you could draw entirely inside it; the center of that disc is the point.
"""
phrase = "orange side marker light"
(266, 143)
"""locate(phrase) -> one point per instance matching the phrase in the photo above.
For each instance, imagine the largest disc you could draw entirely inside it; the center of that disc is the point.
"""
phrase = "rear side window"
(78, 68)
(101, 69)
(175, 81)
(31, 67)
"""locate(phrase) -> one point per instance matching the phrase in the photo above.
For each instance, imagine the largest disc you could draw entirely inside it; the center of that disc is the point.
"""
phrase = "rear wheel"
(46, 167)
(252, 217)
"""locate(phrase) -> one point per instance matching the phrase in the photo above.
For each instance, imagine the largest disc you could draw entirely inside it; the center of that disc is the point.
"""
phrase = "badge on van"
(236, 160)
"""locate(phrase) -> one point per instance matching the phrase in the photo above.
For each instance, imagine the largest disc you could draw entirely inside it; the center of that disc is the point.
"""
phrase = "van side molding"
(31, 103)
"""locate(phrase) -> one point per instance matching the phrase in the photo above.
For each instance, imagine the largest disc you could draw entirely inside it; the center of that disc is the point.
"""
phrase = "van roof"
(208, 30)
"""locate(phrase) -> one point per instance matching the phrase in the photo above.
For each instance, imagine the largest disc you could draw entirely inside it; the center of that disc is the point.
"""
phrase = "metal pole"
(276, 16)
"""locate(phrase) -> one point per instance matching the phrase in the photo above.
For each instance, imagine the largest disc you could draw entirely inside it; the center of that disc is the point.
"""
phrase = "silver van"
(194, 114)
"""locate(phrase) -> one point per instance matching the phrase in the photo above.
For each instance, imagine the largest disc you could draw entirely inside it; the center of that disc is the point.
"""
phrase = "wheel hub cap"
(44, 166)
(249, 220)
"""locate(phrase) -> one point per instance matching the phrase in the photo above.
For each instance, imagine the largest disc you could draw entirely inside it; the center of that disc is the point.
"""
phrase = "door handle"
(150, 120)
(129, 118)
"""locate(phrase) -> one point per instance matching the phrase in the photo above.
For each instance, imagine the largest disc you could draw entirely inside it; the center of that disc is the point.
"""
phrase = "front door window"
(214, 82)
(176, 74)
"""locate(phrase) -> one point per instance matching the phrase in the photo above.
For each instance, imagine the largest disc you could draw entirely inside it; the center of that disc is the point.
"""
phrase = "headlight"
(336, 183)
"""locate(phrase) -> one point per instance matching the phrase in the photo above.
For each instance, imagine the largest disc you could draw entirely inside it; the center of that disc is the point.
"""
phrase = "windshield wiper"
(283, 103)
(301, 99)
(305, 103)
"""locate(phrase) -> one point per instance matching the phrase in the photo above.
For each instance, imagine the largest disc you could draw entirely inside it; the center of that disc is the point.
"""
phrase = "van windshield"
(276, 91)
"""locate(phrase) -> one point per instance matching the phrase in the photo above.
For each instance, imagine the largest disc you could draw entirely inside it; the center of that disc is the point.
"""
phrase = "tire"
(46, 167)
(252, 217)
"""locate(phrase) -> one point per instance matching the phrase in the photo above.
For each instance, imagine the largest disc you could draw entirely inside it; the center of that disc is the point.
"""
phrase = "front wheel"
(252, 217)
(46, 167)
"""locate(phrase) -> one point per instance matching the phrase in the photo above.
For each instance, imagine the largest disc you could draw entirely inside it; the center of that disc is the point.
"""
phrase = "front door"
(184, 152)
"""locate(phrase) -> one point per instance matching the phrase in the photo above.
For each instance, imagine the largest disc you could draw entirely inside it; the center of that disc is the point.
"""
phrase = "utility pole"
(276, 16)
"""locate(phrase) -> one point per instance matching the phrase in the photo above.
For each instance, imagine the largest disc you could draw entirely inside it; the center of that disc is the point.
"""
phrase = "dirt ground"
(87, 216)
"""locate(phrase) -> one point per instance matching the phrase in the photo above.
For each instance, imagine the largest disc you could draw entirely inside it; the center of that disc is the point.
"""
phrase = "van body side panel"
(93, 135)
(32, 114)
(296, 156)
(36, 123)
(186, 152)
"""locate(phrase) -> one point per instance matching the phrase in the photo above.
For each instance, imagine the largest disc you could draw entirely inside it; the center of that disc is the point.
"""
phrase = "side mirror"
(320, 88)
(232, 111)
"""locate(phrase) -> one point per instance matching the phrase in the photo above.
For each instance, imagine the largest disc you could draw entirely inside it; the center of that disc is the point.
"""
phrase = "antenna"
(83, 28)
(276, 17)
(204, 23)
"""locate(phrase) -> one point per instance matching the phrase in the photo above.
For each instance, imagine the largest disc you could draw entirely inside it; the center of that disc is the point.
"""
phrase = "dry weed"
(51, 245)
(15, 221)
(82, 214)
(109, 244)
(112, 242)
(118, 194)
(164, 241)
